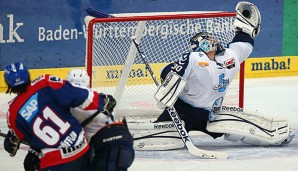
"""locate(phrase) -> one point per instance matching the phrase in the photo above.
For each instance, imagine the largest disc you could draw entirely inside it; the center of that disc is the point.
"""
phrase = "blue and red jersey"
(41, 115)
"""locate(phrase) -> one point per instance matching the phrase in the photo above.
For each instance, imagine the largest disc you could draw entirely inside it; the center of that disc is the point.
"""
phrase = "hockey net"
(115, 68)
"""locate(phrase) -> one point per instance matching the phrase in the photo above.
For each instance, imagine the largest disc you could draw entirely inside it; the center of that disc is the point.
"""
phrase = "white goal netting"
(116, 69)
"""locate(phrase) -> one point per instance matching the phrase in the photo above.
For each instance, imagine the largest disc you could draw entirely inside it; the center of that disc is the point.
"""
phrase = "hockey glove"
(11, 143)
(248, 19)
(32, 162)
(113, 148)
(109, 104)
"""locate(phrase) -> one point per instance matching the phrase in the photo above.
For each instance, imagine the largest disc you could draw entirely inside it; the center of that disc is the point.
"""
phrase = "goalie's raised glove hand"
(32, 161)
(109, 104)
(248, 19)
(11, 143)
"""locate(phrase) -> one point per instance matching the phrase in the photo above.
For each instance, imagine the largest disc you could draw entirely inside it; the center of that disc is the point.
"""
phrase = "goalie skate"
(288, 139)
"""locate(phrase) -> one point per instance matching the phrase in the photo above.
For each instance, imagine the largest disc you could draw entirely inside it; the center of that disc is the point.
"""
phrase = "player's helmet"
(205, 42)
(16, 74)
(78, 77)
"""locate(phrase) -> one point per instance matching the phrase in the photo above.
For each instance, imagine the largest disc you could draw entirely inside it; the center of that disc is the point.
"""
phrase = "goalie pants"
(195, 119)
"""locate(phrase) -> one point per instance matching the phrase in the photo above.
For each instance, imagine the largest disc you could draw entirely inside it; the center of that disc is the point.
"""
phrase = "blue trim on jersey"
(243, 37)
(178, 67)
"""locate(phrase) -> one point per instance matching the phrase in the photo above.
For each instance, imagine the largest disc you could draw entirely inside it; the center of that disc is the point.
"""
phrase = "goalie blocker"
(170, 89)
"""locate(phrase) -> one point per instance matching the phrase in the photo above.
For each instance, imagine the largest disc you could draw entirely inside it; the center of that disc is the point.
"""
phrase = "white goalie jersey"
(207, 80)
(98, 122)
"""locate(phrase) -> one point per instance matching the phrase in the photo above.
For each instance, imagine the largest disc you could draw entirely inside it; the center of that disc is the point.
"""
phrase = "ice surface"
(270, 96)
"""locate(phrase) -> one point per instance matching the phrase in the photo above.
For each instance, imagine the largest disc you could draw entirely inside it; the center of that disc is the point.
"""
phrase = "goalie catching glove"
(248, 19)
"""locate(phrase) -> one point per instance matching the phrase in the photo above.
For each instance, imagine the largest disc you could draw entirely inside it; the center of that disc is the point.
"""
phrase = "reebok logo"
(235, 109)
(178, 124)
(163, 126)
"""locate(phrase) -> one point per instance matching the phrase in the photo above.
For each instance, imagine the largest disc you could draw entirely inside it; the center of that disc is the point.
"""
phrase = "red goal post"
(115, 68)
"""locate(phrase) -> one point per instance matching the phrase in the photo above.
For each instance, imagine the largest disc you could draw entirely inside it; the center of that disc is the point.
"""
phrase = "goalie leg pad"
(251, 129)
(113, 148)
(155, 136)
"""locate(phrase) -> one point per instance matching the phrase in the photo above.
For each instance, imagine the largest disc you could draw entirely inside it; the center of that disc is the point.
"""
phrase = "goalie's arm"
(179, 67)
(172, 82)
(247, 25)
(241, 46)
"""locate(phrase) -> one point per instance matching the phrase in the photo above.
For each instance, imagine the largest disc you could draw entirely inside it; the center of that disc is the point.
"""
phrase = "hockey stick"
(192, 149)
(88, 120)
(98, 14)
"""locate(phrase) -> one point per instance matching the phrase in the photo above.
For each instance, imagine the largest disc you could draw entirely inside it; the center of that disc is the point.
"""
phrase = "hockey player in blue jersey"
(208, 71)
(40, 115)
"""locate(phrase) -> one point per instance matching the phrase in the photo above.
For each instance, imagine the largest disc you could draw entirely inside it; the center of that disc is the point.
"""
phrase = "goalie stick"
(192, 149)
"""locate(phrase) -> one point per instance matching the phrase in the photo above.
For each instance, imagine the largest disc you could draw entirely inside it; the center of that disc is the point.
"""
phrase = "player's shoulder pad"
(49, 80)
(39, 78)
(199, 57)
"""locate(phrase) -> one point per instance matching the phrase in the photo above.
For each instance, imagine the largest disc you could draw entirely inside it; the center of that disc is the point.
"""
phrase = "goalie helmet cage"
(115, 68)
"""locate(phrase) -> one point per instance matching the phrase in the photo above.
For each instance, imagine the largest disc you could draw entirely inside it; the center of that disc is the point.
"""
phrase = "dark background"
(69, 14)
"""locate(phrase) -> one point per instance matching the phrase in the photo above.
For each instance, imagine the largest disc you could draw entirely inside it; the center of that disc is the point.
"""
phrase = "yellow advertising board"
(138, 75)
(110, 75)
(271, 67)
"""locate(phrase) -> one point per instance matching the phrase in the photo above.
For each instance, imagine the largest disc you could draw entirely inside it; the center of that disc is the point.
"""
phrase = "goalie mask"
(78, 77)
(205, 42)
